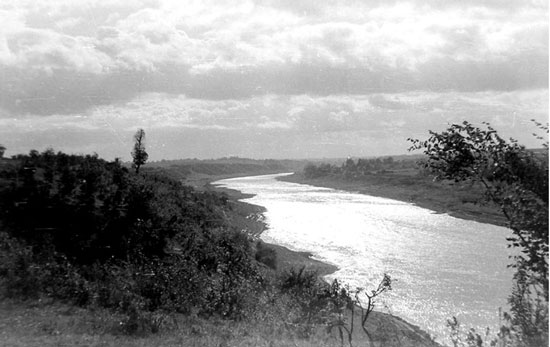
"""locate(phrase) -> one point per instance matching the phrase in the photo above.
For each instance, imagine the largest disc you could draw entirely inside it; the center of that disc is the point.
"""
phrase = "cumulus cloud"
(279, 77)
(65, 56)
(280, 125)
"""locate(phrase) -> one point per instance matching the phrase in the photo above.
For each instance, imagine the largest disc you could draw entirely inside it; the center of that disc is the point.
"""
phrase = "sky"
(266, 78)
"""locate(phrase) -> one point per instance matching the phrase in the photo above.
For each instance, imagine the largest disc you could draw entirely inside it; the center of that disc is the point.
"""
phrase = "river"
(441, 266)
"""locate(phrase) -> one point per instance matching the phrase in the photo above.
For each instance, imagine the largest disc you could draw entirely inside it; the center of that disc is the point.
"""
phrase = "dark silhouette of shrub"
(266, 255)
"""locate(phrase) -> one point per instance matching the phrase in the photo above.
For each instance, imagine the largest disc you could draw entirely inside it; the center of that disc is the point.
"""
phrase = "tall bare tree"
(139, 154)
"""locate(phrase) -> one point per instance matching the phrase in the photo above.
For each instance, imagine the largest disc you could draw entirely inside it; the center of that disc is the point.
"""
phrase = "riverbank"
(384, 328)
(249, 217)
(460, 202)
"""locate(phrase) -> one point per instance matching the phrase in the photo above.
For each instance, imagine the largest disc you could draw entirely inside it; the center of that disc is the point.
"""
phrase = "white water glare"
(441, 266)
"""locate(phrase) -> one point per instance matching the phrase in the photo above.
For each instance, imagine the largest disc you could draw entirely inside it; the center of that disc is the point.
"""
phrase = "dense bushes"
(87, 230)
(266, 255)
(90, 232)
(92, 210)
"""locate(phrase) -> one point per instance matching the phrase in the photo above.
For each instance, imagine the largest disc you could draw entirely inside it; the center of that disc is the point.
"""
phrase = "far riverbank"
(435, 197)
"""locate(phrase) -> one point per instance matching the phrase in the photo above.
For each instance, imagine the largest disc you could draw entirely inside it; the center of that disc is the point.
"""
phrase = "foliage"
(363, 300)
(366, 300)
(139, 154)
(266, 255)
(86, 230)
(92, 233)
(352, 169)
(515, 179)
(319, 302)
(18, 277)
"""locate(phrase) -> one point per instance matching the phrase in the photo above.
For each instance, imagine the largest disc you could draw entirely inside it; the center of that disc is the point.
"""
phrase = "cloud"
(67, 57)
(289, 78)
(275, 125)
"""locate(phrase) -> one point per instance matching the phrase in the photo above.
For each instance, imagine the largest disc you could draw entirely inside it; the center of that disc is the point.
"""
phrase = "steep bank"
(457, 202)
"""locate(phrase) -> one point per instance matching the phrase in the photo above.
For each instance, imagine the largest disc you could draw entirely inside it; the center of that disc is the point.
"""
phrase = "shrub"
(318, 301)
(19, 276)
(266, 255)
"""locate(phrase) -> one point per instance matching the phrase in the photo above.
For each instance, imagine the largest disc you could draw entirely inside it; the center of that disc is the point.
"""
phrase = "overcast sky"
(266, 78)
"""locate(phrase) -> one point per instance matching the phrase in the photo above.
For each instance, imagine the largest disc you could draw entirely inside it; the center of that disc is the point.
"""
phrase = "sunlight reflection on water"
(442, 266)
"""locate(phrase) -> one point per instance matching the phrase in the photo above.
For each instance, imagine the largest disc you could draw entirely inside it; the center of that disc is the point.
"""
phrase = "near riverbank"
(249, 217)
(383, 327)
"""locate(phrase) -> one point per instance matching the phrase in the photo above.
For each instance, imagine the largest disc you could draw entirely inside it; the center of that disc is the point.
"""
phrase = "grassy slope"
(54, 324)
(461, 201)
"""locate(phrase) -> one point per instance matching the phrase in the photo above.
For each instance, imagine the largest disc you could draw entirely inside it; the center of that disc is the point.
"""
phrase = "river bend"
(442, 266)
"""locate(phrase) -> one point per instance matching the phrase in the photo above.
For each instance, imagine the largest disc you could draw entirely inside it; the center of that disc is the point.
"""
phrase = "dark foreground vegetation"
(516, 180)
(90, 248)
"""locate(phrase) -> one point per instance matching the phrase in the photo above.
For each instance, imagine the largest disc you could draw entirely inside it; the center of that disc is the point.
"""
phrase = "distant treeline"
(358, 168)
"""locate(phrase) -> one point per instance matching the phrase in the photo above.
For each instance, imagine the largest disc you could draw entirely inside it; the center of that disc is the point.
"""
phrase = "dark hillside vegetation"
(146, 253)
(80, 228)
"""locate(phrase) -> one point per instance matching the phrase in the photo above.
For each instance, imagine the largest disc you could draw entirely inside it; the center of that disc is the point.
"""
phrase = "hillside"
(92, 253)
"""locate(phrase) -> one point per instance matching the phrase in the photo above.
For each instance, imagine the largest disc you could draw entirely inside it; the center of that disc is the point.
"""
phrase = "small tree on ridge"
(139, 154)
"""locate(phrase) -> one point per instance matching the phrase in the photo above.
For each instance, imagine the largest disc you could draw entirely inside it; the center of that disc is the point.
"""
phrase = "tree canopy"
(139, 154)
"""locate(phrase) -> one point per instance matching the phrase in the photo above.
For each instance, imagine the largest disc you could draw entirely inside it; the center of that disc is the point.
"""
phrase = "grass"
(44, 323)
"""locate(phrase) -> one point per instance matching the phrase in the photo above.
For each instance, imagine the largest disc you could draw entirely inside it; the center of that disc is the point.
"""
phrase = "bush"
(19, 276)
(318, 301)
(82, 229)
(266, 255)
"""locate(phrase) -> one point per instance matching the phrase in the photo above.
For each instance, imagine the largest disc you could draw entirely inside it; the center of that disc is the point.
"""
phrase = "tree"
(139, 154)
(516, 180)
(2, 151)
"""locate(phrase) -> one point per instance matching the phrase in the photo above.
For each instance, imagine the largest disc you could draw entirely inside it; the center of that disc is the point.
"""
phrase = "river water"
(441, 266)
